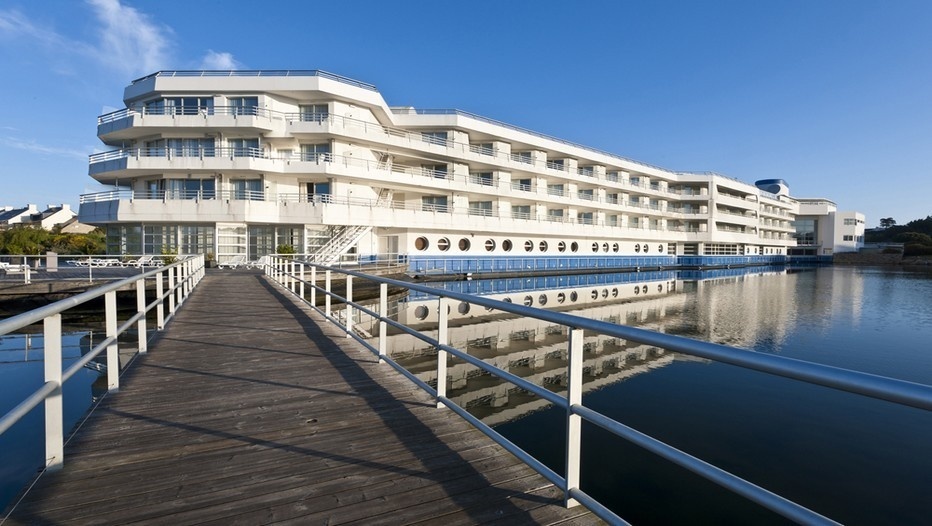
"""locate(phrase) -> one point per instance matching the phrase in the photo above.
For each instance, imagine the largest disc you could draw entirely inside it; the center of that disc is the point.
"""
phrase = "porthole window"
(637, 290)
(615, 292)
(561, 297)
(561, 246)
(489, 245)
(507, 300)
(595, 247)
(594, 294)
(660, 248)
(421, 243)
(604, 247)
(660, 288)
(574, 296)
(421, 312)
(637, 248)
(543, 246)
(646, 248)
(644, 289)
(542, 299)
(528, 301)
(443, 244)
(528, 246)
(615, 247)
(464, 244)
(506, 245)
(463, 308)
(574, 246)
(604, 293)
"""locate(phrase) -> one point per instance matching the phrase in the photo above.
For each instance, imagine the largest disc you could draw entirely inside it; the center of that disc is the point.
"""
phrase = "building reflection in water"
(682, 302)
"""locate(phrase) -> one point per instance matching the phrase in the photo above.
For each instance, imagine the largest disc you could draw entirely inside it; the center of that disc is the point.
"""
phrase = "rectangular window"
(480, 208)
(244, 105)
(521, 211)
(197, 239)
(587, 194)
(190, 147)
(850, 222)
(521, 157)
(318, 192)
(316, 152)
(522, 184)
(261, 240)
(556, 164)
(160, 239)
(437, 171)
(189, 188)
(611, 199)
(612, 220)
(555, 189)
(612, 176)
(555, 214)
(586, 171)
(483, 178)
(245, 148)
(435, 137)
(585, 218)
(314, 112)
(849, 238)
(484, 148)
(248, 189)
(434, 203)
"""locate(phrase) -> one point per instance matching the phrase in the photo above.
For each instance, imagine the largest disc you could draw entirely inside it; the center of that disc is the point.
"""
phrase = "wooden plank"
(261, 412)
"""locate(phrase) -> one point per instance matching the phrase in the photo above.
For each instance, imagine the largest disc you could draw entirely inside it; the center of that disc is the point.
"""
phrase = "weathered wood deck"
(250, 409)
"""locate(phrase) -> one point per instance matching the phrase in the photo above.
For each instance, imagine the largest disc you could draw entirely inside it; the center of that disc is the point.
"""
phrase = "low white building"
(821, 230)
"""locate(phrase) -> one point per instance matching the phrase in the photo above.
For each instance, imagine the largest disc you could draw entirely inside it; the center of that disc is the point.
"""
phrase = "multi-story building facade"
(821, 230)
(236, 163)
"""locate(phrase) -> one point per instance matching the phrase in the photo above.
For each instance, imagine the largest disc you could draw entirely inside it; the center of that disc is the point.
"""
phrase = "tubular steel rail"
(292, 275)
(181, 276)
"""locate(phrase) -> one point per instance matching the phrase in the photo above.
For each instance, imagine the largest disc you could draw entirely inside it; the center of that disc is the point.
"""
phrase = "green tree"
(913, 238)
(24, 240)
(887, 222)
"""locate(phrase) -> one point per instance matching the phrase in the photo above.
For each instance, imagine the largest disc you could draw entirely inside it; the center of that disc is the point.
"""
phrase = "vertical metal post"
(54, 415)
(301, 280)
(349, 308)
(182, 278)
(141, 309)
(113, 353)
(327, 295)
(383, 327)
(292, 279)
(313, 285)
(160, 308)
(442, 339)
(573, 422)
(171, 291)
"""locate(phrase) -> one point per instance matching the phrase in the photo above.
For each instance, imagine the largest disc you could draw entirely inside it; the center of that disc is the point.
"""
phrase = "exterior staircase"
(345, 237)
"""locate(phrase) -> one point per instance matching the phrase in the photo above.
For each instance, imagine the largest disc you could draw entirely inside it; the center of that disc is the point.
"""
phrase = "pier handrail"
(182, 277)
(290, 273)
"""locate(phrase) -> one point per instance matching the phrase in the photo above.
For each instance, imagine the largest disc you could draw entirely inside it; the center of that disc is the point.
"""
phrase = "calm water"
(858, 461)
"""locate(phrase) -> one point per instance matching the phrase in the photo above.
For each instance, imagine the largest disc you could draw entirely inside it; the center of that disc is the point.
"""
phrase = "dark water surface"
(856, 460)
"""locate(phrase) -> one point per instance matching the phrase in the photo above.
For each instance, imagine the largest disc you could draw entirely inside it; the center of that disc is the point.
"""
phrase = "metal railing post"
(141, 309)
(301, 280)
(443, 338)
(349, 308)
(54, 414)
(113, 353)
(313, 285)
(160, 307)
(171, 291)
(182, 278)
(292, 279)
(573, 421)
(327, 296)
(383, 326)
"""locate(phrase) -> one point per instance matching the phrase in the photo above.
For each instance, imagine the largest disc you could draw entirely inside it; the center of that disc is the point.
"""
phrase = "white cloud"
(219, 60)
(130, 41)
(32, 146)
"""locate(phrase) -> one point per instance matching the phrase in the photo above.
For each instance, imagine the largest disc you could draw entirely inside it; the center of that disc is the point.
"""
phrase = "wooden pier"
(251, 409)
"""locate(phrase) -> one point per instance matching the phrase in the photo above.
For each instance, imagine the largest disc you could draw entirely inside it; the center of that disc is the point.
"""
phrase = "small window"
(604, 293)
(528, 301)
(464, 244)
(543, 246)
(660, 249)
(615, 292)
(574, 247)
(443, 244)
(637, 248)
(594, 294)
(615, 247)
(604, 247)
(574, 296)
(595, 247)
(561, 246)
(421, 312)
(542, 299)
(646, 248)
(528, 245)
(489, 245)
(561, 297)
(421, 243)
(644, 289)
(462, 308)
(637, 290)
(506, 245)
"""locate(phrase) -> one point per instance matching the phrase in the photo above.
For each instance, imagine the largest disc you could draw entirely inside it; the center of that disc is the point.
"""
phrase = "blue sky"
(835, 97)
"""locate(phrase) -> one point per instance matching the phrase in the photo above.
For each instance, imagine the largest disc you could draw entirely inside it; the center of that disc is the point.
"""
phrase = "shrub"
(915, 249)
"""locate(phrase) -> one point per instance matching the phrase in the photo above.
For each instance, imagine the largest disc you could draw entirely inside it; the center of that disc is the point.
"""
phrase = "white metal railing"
(291, 274)
(182, 277)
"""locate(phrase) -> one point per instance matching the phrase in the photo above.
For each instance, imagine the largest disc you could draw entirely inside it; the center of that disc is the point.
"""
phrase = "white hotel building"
(243, 162)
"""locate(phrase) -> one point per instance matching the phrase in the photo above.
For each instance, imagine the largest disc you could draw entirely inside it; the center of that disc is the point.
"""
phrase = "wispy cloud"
(219, 60)
(16, 25)
(130, 40)
(32, 146)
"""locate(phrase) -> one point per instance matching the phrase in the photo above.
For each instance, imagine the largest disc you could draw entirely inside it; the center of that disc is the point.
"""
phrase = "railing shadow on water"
(173, 284)
(301, 277)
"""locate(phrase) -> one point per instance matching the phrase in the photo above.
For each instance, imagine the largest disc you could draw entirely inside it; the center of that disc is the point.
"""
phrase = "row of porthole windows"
(464, 244)
(422, 311)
